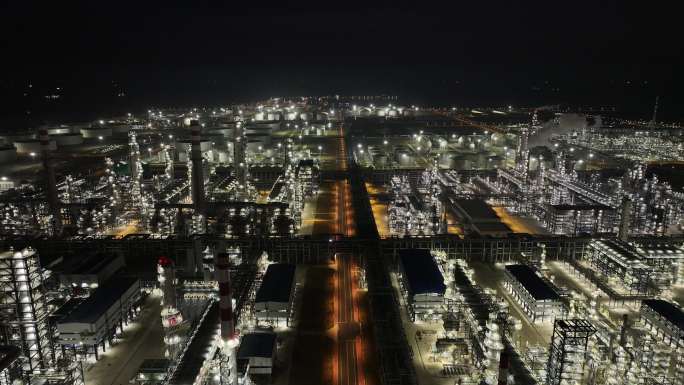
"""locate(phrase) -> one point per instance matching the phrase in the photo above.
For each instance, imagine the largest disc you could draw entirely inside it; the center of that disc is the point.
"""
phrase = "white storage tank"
(61, 130)
(7, 154)
(183, 145)
(67, 139)
(96, 132)
(27, 146)
(119, 128)
(404, 158)
(255, 146)
(265, 139)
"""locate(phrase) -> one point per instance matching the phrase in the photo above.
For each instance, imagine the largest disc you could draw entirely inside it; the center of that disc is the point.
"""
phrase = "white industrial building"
(665, 320)
(273, 302)
(538, 298)
(96, 320)
(256, 354)
(422, 283)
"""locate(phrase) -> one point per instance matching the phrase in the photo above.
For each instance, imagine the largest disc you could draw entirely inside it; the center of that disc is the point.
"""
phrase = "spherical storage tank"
(8, 154)
(67, 139)
(96, 132)
(28, 146)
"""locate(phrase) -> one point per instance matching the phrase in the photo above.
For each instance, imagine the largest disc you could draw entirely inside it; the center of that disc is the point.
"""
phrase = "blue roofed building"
(273, 302)
(422, 283)
(538, 298)
(665, 320)
(94, 321)
(256, 353)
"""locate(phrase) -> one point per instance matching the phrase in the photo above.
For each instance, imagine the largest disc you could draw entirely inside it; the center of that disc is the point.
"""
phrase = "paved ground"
(313, 350)
(142, 339)
(492, 277)
(347, 327)
(427, 370)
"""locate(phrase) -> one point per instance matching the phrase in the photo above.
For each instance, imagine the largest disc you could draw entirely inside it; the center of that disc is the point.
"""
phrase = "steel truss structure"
(568, 350)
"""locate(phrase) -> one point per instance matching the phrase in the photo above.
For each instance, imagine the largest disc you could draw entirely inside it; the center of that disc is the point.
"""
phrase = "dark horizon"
(109, 60)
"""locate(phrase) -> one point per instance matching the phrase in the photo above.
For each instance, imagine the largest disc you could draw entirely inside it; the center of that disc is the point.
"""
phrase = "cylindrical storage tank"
(404, 158)
(32, 146)
(305, 116)
(96, 132)
(227, 132)
(8, 154)
(446, 159)
(183, 145)
(380, 160)
(460, 162)
(255, 146)
(119, 128)
(265, 139)
(291, 116)
(216, 139)
(223, 157)
(494, 161)
(274, 116)
(67, 139)
(423, 146)
(259, 116)
(392, 112)
(59, 130)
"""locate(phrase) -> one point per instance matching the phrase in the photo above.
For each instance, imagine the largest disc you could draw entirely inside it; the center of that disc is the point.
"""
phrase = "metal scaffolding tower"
(23, 309)
(568, 350)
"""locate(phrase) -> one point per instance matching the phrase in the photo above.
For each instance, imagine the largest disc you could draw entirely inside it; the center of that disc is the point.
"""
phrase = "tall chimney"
(239, 158)
(52, 197)
(167, 281)
(625, 218)
(197, 170)
(228, 337)
(222, 272)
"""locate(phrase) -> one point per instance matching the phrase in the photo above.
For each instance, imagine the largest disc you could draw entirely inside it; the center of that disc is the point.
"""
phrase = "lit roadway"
(347, 327)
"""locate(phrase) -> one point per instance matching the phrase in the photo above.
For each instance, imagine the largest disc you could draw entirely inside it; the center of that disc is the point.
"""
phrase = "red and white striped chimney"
(225, 297)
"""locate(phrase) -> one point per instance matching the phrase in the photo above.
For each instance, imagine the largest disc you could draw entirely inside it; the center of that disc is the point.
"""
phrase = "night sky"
(109, 57)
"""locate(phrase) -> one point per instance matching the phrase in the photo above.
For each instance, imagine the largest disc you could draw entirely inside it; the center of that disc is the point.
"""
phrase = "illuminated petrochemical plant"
(343, 240)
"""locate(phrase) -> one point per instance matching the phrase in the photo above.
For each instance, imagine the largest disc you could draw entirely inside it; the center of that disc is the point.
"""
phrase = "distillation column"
(625, 219)
(170, 315)
(51, 181)
(197, 182)
(239, 158)
(197, 179)
(229, 340)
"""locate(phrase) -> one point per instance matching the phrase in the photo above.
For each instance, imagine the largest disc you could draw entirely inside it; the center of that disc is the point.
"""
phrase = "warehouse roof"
(276, 284)
(537, 287)
(476, 209)
(667, 310)
(100, 301)
(421, 272)
(257, 345)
